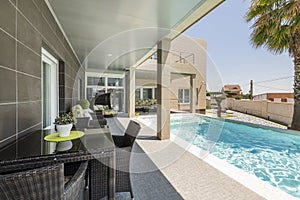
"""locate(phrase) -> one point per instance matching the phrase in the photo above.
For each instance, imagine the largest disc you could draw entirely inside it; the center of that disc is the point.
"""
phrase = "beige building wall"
(187, 56)
(274, 111)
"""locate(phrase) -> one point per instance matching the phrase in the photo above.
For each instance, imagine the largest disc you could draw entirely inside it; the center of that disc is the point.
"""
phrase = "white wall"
(274, 111)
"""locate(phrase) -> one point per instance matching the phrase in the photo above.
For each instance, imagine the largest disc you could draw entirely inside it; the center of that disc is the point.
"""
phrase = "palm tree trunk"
(296, 53)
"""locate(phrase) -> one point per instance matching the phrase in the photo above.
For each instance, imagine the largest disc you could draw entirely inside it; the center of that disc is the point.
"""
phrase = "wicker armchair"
(123, 152)
(45, 183)
(74, 188)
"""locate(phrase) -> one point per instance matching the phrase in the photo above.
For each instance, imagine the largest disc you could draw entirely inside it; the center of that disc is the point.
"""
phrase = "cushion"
(77, 111)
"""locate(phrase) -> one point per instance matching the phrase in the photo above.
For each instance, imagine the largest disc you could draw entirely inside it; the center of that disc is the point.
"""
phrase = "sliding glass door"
(49, 89)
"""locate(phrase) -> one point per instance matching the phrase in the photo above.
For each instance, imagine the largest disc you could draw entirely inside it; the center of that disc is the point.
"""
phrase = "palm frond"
(274, 23)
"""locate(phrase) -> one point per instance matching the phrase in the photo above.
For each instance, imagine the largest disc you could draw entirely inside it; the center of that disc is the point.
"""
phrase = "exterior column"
(163, 92)
(192, 95)
(130, 92)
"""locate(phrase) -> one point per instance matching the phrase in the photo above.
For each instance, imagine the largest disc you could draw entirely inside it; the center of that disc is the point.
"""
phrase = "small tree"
(277, 27)
(246, 96)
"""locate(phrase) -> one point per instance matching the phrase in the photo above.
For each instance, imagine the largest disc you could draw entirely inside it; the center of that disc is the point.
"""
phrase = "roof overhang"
(118, 34)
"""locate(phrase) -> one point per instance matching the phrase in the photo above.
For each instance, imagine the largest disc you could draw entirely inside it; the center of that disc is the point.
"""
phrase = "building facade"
(186, 60)
(276, 97)
(233, 91)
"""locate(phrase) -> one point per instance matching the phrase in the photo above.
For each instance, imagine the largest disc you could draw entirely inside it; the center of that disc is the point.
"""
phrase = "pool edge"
(250, 181)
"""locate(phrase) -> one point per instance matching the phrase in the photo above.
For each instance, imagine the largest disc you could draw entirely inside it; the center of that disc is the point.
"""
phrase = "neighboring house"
(232, 91)
(186, 60)
(276, 97)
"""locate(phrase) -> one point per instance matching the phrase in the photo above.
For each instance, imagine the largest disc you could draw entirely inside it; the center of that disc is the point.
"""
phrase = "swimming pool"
(271, 155)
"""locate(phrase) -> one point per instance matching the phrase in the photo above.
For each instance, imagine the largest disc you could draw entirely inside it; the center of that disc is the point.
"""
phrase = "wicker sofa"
(86, 120)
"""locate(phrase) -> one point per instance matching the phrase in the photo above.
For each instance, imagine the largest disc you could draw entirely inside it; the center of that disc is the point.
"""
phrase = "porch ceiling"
(116, 34)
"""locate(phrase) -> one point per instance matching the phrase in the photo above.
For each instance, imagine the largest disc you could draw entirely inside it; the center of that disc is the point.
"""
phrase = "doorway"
(49, 89)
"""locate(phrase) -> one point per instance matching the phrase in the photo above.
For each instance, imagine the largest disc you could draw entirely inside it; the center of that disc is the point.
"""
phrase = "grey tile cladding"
(23, 32)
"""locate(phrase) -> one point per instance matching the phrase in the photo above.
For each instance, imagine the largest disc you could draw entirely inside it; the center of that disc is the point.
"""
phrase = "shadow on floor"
(147, 180)
(151, 184)
(148, 185)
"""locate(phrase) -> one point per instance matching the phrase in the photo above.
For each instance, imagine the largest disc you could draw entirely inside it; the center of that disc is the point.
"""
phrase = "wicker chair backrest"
(45, 183)
(74, 188)
(132, 131)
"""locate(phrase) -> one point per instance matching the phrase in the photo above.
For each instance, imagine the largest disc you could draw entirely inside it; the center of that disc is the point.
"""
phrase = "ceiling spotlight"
(109, 55)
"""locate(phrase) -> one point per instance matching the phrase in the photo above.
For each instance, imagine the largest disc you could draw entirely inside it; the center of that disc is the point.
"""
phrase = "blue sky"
(231, 53)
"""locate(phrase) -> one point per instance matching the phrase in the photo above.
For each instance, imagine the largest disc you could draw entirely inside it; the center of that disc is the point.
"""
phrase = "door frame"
(54, 94)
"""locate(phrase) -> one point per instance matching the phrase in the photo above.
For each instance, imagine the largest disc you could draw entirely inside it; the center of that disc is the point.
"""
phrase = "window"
(89, 93)
(49, 89)
(183, 96)
(147, 93)
(137, 94)
(100, 81)
(114, 82)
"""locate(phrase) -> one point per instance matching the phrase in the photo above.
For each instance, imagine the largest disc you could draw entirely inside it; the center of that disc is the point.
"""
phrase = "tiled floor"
(166, 171)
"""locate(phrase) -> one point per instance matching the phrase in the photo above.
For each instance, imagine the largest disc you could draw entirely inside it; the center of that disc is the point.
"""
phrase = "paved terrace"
(237, 116)
(163, 170)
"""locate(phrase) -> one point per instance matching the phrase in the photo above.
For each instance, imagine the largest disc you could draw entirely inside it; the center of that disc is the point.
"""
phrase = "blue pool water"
(271, 155)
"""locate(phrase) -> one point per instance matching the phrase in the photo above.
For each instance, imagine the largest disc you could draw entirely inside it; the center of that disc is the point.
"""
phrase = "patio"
(49, 50)
(186, 177)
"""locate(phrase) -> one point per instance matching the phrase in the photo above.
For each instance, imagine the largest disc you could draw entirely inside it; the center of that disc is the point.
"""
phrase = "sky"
(231, 54)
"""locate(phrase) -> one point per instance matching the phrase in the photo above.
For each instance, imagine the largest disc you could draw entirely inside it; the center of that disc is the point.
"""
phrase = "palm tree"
(276, 26)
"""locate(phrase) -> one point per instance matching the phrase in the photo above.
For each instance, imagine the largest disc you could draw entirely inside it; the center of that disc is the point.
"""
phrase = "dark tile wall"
(25, 27)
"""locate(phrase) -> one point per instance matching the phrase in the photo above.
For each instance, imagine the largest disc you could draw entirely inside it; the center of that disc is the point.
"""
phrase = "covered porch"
(52, 46)
(120, 48)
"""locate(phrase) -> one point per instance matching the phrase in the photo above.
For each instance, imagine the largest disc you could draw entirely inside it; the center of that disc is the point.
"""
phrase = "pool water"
(269, 154)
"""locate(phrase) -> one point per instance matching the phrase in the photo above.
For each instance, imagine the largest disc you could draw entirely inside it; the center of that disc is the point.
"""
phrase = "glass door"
(49, 89)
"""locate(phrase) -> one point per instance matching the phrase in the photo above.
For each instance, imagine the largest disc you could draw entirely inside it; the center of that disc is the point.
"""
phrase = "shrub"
(85, 104)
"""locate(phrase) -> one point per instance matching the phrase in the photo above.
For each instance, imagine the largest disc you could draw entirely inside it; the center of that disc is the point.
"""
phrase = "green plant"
(85, 104)
(275, 26)
(101, 108)
(64, 119)
(137, 114)
(208, 107)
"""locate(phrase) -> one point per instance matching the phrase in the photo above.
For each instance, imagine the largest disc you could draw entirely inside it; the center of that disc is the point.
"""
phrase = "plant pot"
(64, 146)
(64, 130)
(86, 113)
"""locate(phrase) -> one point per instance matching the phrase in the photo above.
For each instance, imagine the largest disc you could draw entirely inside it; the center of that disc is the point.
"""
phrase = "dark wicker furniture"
(74, 189)
(123, 152)
(45, 183)
(85, 122)
(33, 152)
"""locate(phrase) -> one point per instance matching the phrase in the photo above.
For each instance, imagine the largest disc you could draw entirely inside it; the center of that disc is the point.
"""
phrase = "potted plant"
(64, 124)
(85, 104)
